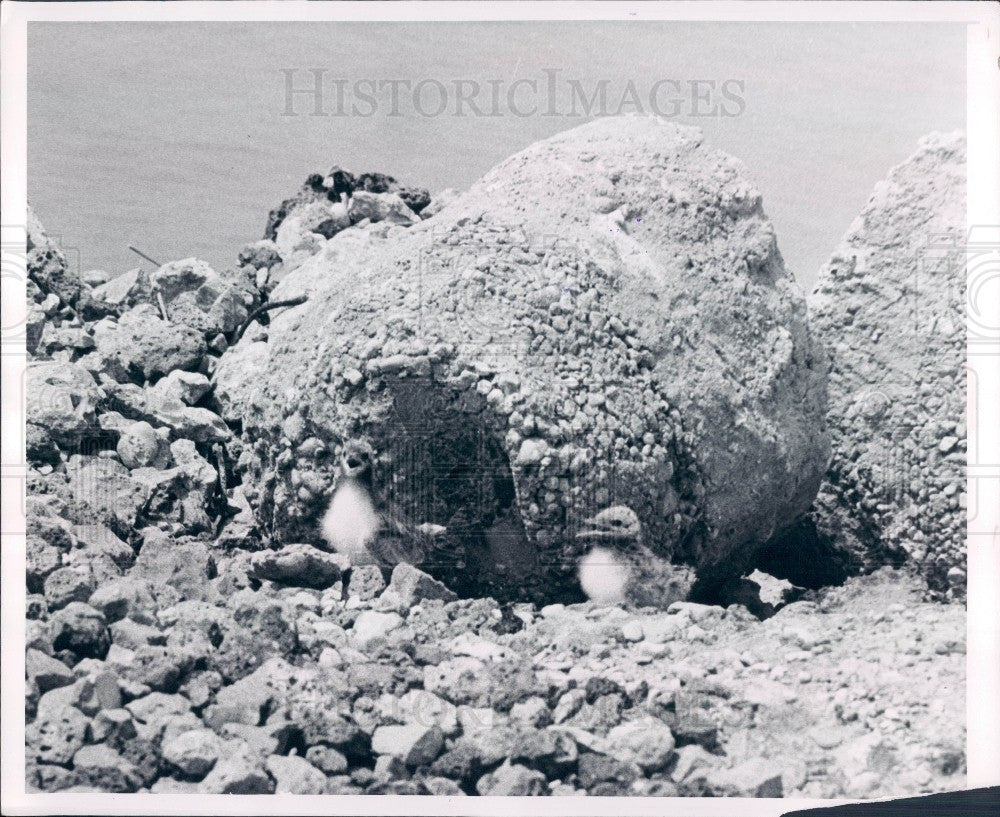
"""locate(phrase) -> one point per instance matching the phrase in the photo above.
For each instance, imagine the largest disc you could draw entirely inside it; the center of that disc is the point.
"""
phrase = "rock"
(371, 625)
(512, 780)
(46, 264)
(246, 700)
(410, 586)
(39, 446)
(102, 493)
(153, 712)
(366, 582)
(90, 694)
(95, 277)
(632, 631)
(441, 200)
(554, 752)
(99, 540)
(188, 387)
(140, 446)
(238, 771)
(192, 423)
(418, 706)
(330, 189)
(298, 565)
(259, 254)
(45, 672)
(326, 759)
(125, 290)
(194, 753)
(752, 778)
(890, 402)
(186, 566)
(80, 628)
(73, 340)
(460, 680)
(533, 712)
(196, 296)
(647, 334)
(415, 744)
(133, 598)
(112, 725)
(62, 399)
(647, 742)
(67, 584)
(295, 775)
(56, 736)
(380, 207)
(41, 560)
(694, 763)
(106, 770)
(595, 770)
(142, 345)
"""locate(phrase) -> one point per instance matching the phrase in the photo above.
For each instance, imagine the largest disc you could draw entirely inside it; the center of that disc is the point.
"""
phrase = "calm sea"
(173, 137)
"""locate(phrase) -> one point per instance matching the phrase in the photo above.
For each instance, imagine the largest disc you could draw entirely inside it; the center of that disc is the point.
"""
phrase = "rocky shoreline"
(188, 631)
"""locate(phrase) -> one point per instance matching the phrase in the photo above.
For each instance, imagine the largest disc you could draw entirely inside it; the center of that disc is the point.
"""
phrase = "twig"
(260, 310)
(143, 255)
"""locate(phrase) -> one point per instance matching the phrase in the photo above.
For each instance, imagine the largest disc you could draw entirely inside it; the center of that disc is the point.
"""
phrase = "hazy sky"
(172, 136)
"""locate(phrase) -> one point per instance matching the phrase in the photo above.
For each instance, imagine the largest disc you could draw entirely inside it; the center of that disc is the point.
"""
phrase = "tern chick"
(620, 568)
(362, 525)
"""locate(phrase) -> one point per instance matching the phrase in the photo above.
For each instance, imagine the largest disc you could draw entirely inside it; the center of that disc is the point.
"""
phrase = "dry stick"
(143, 255)
(159, 295)
(260, 310)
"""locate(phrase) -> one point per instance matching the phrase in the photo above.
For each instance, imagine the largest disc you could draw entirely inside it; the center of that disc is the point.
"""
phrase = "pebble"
(632, 631)
(371, 625)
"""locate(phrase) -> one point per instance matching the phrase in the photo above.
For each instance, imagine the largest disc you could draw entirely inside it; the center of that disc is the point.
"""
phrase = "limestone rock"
(80, 628)
(372, 625)
(295, 775)
(47, 266)
(239, 771)
(616, 292)
(890, 308)
(62, 399)
(298, 565)
(45, 672)
(56, 736)
(196, 296)
(380, 207)
(194, 753)
(512, 780)
(140, 446)
(142, 345)
(415, 744)
(409, 586)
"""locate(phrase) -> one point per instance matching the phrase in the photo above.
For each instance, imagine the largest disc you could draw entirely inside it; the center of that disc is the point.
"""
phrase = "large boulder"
(603, 318)
(889, 307)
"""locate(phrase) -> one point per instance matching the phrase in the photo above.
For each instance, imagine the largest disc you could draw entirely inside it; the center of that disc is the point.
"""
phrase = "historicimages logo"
(316, 92)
